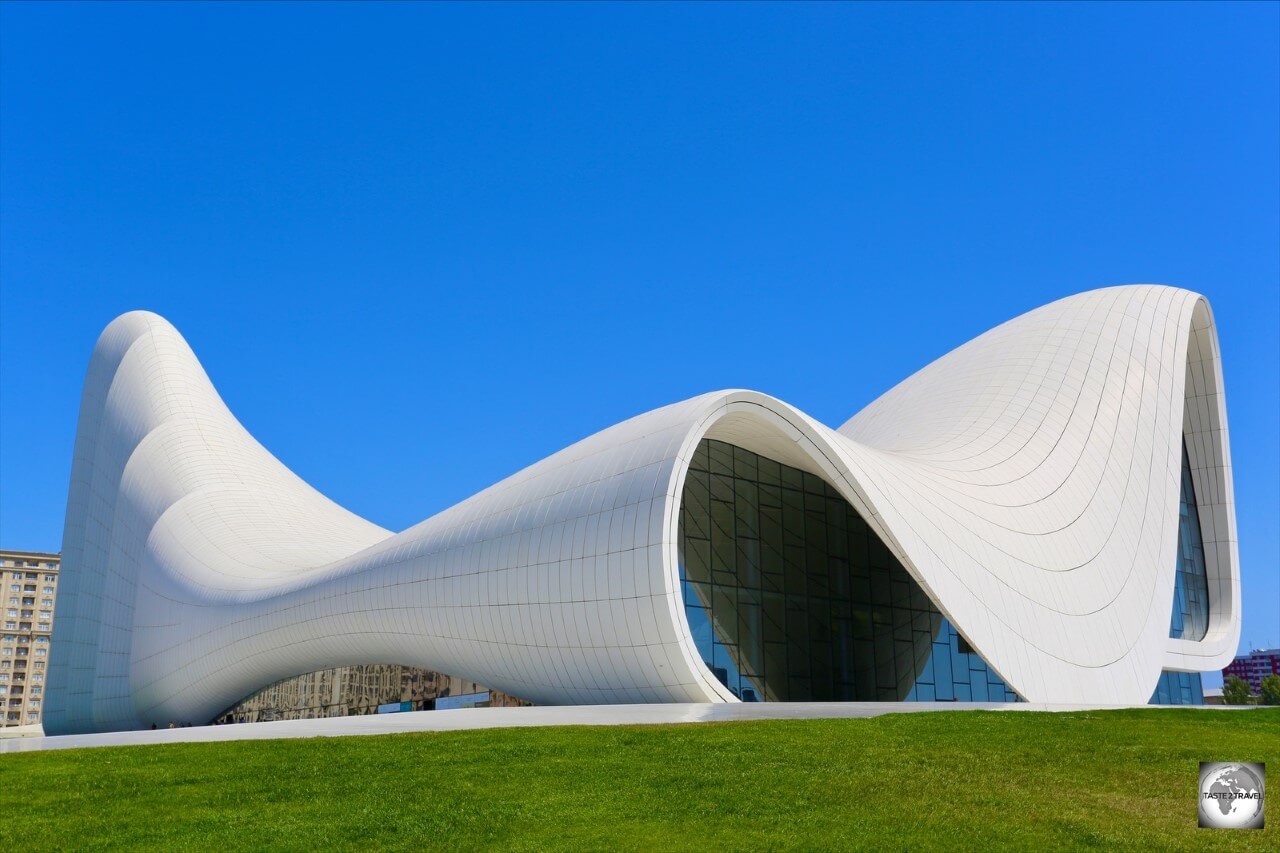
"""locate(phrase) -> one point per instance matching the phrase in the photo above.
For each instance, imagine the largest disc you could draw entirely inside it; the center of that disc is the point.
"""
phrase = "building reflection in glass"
(353, 690)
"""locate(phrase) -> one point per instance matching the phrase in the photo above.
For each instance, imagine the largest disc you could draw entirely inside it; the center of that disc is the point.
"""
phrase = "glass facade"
(1178, 688)
(791, 597)
(1190, 618)
(353, 690)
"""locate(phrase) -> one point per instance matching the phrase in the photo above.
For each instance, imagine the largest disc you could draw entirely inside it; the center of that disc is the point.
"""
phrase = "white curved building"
(1017, 520)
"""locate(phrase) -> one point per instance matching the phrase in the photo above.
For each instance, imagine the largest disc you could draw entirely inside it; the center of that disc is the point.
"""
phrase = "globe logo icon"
(1231, 795)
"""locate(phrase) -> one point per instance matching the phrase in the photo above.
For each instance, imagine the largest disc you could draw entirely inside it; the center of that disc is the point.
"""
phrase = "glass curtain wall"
(1190, 619)
(1178, 688)
(791, 597)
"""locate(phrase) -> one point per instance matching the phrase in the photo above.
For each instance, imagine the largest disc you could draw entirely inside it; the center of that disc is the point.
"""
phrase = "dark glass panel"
(697, 560)
(744, 465)
(695, 509)
(701, 461)
(792, 478)
(747, 509)
(721, 456)
(770, 471)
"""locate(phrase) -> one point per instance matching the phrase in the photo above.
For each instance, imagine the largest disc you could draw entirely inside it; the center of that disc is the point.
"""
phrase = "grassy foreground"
(961, 780)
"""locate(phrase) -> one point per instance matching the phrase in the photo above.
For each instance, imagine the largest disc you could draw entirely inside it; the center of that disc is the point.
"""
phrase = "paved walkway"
(498, 718)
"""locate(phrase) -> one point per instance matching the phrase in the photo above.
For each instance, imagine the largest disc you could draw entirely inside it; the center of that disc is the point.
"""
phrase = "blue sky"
(420, 247)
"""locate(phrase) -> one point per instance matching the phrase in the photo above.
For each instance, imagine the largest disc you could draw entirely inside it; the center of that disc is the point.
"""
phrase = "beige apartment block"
(29, 583)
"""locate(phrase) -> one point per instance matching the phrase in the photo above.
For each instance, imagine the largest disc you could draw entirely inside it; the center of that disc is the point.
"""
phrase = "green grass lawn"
(929, 780)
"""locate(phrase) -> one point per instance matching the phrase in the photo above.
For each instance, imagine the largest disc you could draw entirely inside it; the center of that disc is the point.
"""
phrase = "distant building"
(1254, 667)
(30, 590)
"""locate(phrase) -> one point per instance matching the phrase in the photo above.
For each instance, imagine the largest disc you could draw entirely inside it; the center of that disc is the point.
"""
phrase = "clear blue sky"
(420, 247)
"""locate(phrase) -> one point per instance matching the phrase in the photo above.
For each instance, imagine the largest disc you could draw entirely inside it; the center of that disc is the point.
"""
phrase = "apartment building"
(29, 587)
(1254, 667)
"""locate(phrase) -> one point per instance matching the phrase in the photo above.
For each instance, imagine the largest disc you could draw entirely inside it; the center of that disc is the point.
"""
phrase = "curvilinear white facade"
(1028, 482)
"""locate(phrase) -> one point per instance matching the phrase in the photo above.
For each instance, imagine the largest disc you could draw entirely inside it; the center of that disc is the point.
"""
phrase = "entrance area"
(790, 596)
